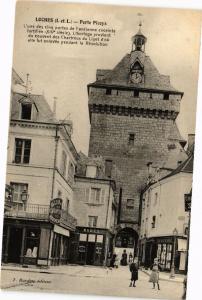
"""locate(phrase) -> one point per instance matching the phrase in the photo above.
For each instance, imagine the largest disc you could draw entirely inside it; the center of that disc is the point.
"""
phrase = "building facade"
(164, 221)
(41, 161)
(133, 110)
(95, 209)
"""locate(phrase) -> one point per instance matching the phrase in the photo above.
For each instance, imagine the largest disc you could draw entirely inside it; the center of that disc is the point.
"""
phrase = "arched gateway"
(126, 239)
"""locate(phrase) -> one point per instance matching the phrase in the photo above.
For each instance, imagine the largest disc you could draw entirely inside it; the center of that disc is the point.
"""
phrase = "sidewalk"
(72, 270)
(166, 276)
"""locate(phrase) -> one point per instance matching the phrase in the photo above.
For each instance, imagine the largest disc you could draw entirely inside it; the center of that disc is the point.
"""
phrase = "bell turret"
(139, 40)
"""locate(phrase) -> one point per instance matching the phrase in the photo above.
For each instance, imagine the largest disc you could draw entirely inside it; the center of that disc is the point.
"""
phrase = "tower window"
(150, 96)
(130, 203)
(136, 93)
(26, 111)
(131, 139)
(166, 96)
(153, 221)
(108, 168)
(108, 91)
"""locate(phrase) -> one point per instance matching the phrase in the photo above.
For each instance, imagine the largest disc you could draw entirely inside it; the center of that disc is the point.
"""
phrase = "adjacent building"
(41, 162)
(164, 221)
(95, 208)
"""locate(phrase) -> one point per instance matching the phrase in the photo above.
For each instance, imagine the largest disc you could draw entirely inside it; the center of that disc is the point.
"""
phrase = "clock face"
(136, 77)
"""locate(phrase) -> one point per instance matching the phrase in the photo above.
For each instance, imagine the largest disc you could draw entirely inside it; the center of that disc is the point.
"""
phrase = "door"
(15, 245)
(90, 253)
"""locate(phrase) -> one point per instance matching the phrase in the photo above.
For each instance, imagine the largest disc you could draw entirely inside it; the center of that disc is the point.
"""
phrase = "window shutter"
(102, 196)
(87, 194)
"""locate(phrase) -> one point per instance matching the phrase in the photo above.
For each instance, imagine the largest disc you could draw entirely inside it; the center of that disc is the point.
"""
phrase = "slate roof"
(44, 112)
(185, 167)
(120, 75)
(16, 77)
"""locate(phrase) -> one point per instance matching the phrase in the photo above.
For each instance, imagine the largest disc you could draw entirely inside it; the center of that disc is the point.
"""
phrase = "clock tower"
(133, 110)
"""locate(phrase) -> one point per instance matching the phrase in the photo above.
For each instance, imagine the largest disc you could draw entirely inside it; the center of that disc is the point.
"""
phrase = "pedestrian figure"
(124, 258)
(130, 258)
(154, 277)
(116, 262)
(134, 273)
(113, 260)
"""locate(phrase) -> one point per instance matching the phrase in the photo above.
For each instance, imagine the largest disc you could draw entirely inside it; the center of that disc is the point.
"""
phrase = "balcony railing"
(28, 211)
(37, 212)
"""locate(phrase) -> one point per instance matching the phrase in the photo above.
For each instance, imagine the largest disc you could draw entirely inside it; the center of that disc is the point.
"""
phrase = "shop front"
(162, 248)
(60, 246)
(93, 246)
(25, 243)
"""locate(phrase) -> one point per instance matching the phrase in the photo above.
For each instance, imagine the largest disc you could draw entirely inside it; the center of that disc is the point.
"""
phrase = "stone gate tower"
(132, 110)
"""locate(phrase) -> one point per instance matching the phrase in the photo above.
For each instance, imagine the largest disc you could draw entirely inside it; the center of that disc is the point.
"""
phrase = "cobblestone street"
(91, 280)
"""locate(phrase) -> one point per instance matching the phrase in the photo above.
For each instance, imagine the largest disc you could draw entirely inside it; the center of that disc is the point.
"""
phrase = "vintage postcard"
(100, 150)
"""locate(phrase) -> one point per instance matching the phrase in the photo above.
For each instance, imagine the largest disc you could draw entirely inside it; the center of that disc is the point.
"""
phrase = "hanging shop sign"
(55, 210)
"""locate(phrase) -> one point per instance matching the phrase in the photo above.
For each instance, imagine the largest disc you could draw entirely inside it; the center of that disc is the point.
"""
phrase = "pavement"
(75, 279)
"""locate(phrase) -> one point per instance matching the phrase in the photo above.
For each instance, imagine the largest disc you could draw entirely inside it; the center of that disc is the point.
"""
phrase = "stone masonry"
(133, 124)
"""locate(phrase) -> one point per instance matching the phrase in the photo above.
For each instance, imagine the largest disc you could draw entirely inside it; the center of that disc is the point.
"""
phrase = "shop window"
(26, 111)
(95, 194)
(153, 221)
(92, 221)
(131, 139)
(63, 163)
(22, 151)
(18, 190)
(32, 243)
(130, 203)
(108, 168)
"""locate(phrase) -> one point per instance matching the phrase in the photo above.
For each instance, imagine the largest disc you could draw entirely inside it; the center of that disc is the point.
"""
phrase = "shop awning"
(182, 244)
(61, 230)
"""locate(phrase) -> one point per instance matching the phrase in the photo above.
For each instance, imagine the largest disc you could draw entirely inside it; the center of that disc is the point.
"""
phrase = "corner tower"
(132, 110)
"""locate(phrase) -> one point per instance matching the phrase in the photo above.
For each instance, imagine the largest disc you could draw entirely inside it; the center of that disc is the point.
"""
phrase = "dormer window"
(26, 111)
(91, 171)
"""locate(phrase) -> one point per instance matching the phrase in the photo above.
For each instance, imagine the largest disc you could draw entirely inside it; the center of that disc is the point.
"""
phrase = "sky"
(173, 41)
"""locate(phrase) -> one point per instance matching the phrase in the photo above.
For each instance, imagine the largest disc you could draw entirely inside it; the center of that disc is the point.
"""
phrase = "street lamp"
(172, 273)
(24, 198)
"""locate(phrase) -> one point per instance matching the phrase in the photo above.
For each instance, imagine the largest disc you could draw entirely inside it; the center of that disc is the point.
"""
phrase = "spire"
(139, 40)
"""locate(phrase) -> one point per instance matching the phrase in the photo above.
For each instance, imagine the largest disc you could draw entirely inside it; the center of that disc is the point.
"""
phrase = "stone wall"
(109, 138)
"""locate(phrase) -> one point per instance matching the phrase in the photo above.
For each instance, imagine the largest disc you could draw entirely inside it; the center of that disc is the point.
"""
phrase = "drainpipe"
(55, 159)
(119, 207)
(107, 246)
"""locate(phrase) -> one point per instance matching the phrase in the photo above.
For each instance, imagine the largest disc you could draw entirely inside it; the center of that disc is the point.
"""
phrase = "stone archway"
(126, 239)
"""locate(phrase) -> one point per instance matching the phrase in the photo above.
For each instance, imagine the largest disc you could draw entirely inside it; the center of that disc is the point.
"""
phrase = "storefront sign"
(55, 210)
(91, 230)
(167, 240)
(61, 230)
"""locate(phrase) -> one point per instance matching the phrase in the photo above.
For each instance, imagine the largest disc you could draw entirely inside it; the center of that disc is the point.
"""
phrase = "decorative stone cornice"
(132, 111)
(14, 123)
